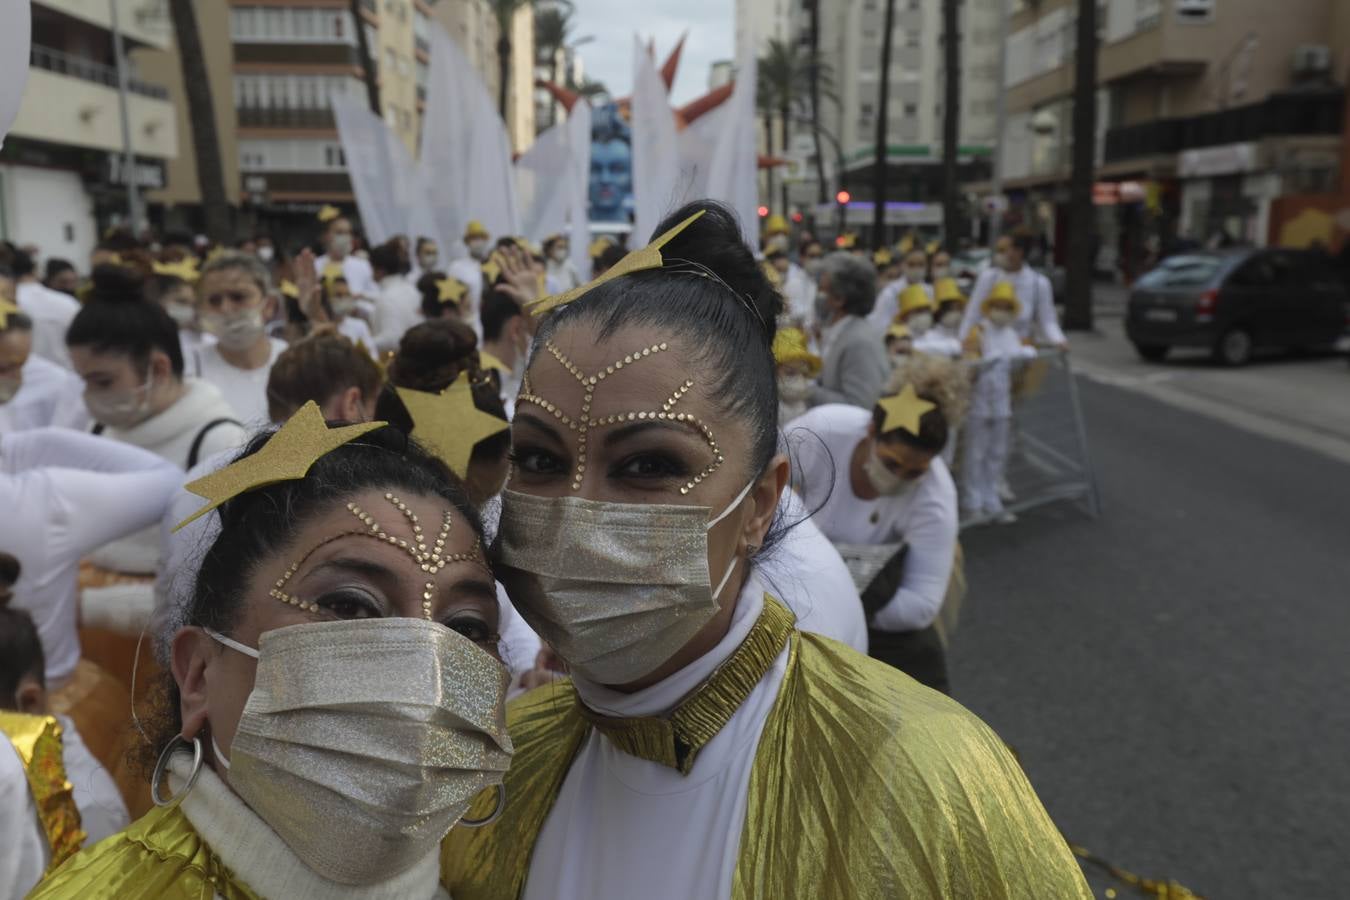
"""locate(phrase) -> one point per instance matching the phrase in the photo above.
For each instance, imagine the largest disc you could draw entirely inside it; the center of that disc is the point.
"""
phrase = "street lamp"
(134, 206)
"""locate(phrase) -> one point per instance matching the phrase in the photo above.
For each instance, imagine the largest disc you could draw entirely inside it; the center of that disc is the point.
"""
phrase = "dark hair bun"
(117, 284)
(9, 576)
(715, 241)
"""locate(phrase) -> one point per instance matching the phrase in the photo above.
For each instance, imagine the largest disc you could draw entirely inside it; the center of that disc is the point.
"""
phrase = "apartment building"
(273, 83)
(1207, 112)
(62, 169)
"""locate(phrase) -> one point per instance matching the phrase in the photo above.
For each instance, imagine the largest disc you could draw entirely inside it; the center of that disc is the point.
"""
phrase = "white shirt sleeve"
(1045, 315)
(99, 489)
(983, 284)
(931, 537)
(23, 852)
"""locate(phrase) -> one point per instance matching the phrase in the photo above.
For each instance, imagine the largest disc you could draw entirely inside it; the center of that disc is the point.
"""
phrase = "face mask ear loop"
(230, 642)
(731, 507)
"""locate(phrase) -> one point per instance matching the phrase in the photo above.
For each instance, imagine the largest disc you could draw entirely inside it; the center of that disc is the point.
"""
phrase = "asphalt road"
(1174, 674)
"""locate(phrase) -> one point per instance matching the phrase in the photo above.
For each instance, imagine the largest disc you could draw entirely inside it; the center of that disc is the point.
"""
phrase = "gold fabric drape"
(37, 740)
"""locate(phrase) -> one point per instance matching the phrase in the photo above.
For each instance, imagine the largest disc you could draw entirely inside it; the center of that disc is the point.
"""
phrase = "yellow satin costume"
(37, 740)
(160, 855)
(865, 784)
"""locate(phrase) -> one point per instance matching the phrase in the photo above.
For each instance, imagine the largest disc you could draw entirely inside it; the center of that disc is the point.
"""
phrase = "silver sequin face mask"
(364, 741)
(615, 588)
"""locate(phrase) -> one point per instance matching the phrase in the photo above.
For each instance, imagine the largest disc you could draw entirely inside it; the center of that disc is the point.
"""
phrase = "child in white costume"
(996, 343)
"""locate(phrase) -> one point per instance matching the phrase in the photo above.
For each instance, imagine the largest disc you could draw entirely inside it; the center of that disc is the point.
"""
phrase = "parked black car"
(1236, 301)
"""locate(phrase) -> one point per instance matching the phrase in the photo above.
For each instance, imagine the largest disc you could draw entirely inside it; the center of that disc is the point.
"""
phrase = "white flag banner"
(696, 145)
(542, 179)
(578, 214)
(367, 148)
(656, 166)
(733, 169)
(14, 49)
(466, 151)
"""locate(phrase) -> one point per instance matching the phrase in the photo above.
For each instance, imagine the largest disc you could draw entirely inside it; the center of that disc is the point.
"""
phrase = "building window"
(911, 109)
(333, 158)
(282, 25)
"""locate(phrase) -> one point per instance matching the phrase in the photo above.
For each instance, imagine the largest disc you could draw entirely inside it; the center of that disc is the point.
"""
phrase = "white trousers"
(986, 441)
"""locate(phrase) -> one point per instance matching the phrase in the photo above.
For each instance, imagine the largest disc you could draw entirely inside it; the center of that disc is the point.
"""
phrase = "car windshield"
(1182, 271)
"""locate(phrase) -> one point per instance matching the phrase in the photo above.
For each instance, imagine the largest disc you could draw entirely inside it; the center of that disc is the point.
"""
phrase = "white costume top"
(49, 395)
(808, 575)
(355, 329)
(24, 853)
(888, 303)
(925, 516)
(399, 309)
(102, 812)
(992, 395)
(470, 271)
(799, 290)
(245, 390)
(51, 312)
(938, 343)
(64, 494)
(358, 273)
(1037, 320)
(623, 826)
(255, 855)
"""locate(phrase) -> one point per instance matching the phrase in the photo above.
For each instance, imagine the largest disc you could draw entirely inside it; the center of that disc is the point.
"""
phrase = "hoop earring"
(162, 764)
(496, 812)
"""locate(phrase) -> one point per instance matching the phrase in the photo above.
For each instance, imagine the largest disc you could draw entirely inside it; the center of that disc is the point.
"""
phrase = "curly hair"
(939, 381)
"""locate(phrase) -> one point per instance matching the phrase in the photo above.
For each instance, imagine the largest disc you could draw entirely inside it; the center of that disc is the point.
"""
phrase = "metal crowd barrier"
(1048, 460)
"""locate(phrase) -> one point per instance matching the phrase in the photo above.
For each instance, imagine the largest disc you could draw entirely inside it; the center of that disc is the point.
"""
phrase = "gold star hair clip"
(329, 213)
(598, 246)
(492, 269)
(331, 273)
(449, 423)
(186, 269)
(649, 257)
(7, 309)
(450, 290)
(904, 410)
(290, 289)
(288, 455)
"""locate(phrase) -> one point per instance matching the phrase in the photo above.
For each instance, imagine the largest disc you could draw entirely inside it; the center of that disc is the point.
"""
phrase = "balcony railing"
(62, 63)
(259, 117)
(272, 182)
(1291, 113)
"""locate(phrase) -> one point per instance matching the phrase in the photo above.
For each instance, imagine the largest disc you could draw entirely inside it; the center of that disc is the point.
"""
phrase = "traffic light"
(763, 211)
(842, 198)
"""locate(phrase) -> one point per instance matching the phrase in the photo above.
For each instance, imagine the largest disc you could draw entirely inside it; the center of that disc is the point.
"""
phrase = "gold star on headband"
(7, 309)
(288, 455)
(598, 246)
(329, 213)
(449, 423)
(649, 257)
(186, 269)
(290, 289)
(450, 290)
(492, 269)
(903, 410)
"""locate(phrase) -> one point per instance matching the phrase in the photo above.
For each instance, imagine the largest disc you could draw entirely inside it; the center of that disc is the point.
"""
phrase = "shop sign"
(1225, 160)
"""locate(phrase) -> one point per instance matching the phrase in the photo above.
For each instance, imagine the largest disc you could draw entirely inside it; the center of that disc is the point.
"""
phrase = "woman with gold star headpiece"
(683, 757)
(335, 702)
(875, 477)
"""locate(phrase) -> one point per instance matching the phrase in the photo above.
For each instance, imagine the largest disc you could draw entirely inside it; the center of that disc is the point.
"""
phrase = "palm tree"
(951, 119)
(1081, 212)
(813, 8)
(368, 61)
(552, 28)
(504, 11)
(785, 81)
(202, 116)
(589, 89)
(883, 120)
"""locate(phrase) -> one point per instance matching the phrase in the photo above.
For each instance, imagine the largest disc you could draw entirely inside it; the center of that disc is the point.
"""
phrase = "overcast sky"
(609, 58)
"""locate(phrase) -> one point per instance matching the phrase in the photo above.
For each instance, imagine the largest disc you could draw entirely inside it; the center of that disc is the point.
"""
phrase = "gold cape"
(160, 856)
(37, 740)
(865, 784)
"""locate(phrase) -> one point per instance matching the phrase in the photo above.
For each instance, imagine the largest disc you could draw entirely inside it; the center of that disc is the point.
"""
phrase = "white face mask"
(428, 261)
(477, 248)
(941, 272)
(812, 266)
(883, 480)
(777, 242)
(266, 252)
(919, 323)
(236, 332)
(794, 388)
(617, 589)
(340, 245)
(363, 742)
(342, 306)
(951, 318)
(121, 409)
(1001, 261)
(1001, 317)
(899, 358)
(8, 388)
(559, 254)
(183, 314)
(914, 274)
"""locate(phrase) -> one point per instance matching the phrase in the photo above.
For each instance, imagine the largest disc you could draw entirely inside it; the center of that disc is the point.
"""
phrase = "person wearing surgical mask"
(235, 301)
(425, 258)
(912, 275)
(342, 309)
(507, 333)
(469, 270)
(798, 368)
(265, 250)
(179, 299)
(643, 495)
(1000, 349)
(875, 477)
(34, 392)
(1037, 318)
(561, 274)
(333, 702)
(339, 261)
(940, 266)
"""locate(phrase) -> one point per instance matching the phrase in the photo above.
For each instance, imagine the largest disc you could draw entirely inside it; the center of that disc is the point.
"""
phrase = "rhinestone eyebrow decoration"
(430, 557)
(584, 423)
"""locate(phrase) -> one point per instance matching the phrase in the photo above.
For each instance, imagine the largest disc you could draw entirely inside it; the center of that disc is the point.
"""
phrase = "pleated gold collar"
(676, 738)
